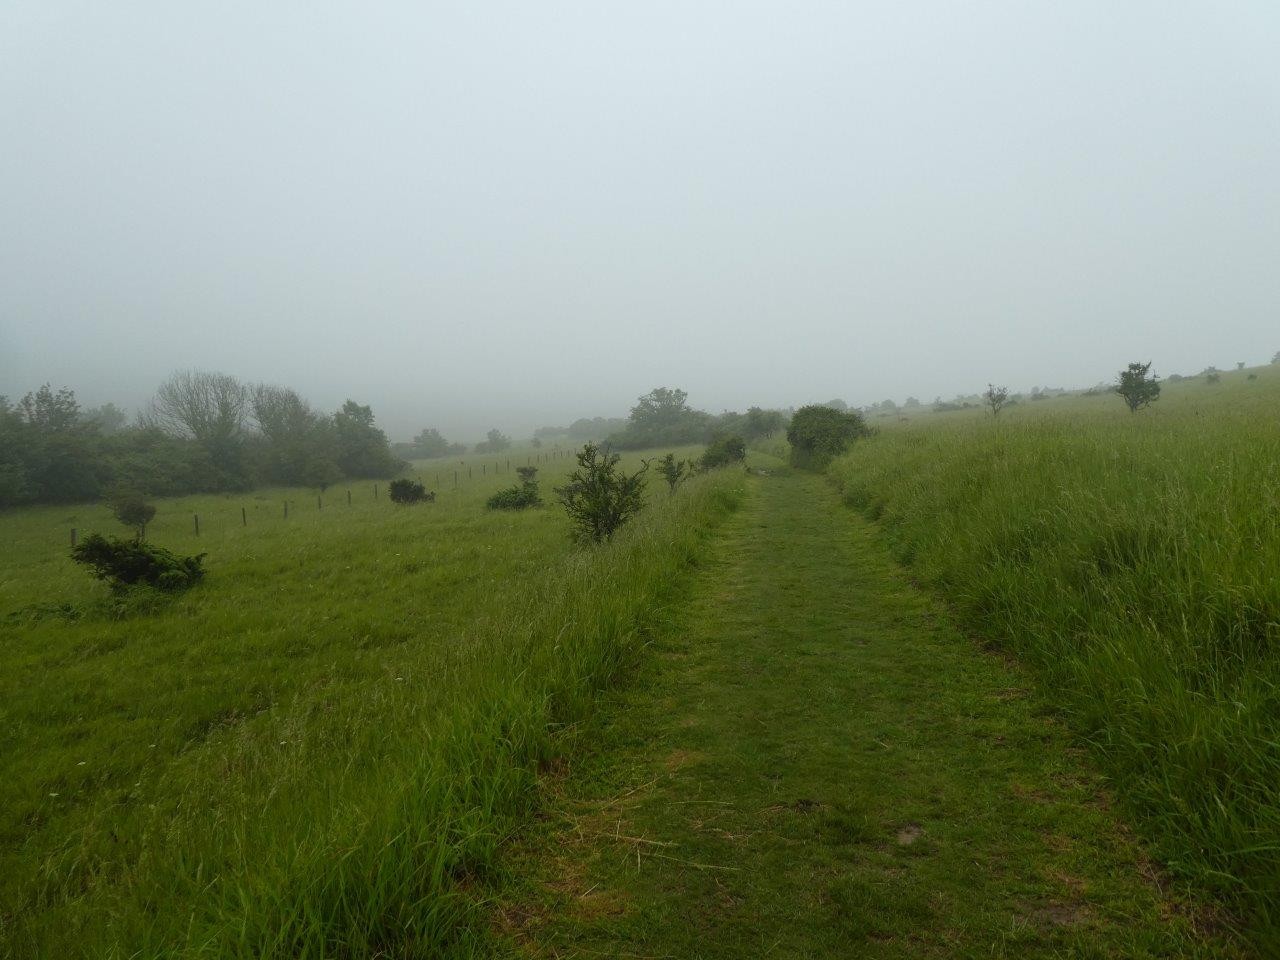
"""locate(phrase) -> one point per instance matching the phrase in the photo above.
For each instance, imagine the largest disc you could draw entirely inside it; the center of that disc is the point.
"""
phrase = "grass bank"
(320, 751)
(1135, 562)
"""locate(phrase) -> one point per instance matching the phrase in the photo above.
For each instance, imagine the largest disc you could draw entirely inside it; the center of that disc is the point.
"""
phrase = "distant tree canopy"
(495, 441)
(586, 428)
(819, 433)
(202, 433)
(1137, 386)
(429, 443)
(663, 417)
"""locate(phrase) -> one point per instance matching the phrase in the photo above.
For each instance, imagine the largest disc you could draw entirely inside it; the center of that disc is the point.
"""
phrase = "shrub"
(1138, 386)
(724, 451)
(131, 510)
(124, 563)
(674, 471)
(997, 398)
(818, 433)
(599, 497)
(405, 490)
(524, 494)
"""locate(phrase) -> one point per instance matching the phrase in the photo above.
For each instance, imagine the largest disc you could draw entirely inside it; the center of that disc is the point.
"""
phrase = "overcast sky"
(512, 214)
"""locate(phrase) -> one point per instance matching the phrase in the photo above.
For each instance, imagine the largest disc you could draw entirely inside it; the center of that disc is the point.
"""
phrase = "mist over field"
(521, 214)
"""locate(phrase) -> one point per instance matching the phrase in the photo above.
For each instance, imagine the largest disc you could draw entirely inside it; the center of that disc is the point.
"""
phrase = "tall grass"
(1135, 561)
(361, 816)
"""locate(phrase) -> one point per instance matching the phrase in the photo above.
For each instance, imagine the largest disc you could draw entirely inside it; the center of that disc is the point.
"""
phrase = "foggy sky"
(515, 214)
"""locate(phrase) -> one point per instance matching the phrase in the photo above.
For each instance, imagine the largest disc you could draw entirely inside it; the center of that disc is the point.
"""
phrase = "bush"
(524, 494)
(817, 434)
(405, 490)
(131, 510)
(724, 451)
(674, 471)
(124, 563)
(599, 497)
(1138, 386)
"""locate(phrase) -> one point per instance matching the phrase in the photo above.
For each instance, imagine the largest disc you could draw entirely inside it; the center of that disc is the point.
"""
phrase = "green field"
(317, 751)
(1134, 561)
(439, 730)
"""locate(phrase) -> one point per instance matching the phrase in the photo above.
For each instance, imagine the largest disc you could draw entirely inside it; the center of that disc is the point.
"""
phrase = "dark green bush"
(599, 497)
(674, 471)
(818, 434)
(405, 490)
(124, 563)
(131, 510)
(724, 451)
(525, 494)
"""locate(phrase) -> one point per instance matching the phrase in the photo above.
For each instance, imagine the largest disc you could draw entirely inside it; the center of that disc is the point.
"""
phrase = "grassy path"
(819, 766)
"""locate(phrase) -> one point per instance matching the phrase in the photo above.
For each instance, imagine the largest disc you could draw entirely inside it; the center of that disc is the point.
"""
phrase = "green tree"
(430, 443)
(56, 455)
(362, 449)
(674, 471)
(600, 497)
(299, 446)
(996, 398)
(759, 423)
(724, 451)
(1138, 386)
(660, 417)
(495, 441)
(818, 434)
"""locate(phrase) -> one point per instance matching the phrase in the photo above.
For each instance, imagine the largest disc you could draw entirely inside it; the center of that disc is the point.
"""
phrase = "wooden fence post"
(348, 498)
(73, 536)
(286, 509)
(197, 518)
(244, 517)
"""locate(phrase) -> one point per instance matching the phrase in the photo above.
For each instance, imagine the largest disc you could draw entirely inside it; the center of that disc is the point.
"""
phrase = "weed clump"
(524, 494)
(125, 563)
(409, 491)
(599, 497)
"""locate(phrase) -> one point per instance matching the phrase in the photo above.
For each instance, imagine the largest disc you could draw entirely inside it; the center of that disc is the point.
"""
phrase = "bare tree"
(996, 398)
(209, 408)
(199, 405)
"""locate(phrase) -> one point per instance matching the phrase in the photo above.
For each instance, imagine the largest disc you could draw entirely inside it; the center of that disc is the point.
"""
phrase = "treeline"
(663, 418)
(201, 433)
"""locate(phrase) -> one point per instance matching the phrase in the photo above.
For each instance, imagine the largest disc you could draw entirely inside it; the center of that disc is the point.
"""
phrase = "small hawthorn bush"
(674, 471)
(818, 434)
(723, 452)
(599, 497)
(524, 494)
(405, 490)
(131, 510)
(126, 563)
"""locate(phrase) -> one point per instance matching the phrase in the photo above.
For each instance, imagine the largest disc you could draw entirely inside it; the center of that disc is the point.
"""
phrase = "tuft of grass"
(1134, 560)
(320, 751)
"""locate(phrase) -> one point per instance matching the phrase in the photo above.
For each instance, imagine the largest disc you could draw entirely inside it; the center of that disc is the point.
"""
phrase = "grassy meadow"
(319, 750)
(1134, 560)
